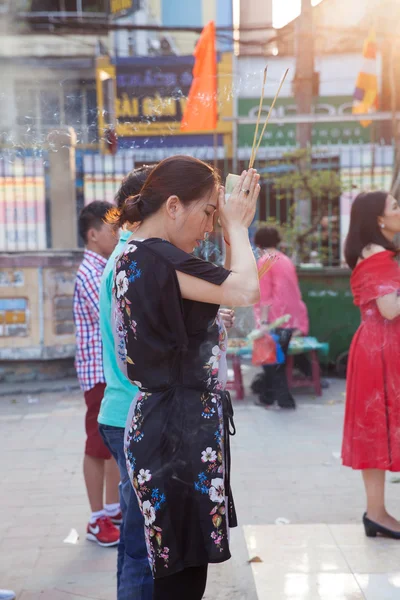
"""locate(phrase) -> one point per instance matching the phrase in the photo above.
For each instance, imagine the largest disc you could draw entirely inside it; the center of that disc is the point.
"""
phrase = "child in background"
(99, 467)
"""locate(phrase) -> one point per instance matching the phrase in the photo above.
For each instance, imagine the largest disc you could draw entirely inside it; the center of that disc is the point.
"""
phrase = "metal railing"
(356, 168)
(25, 179)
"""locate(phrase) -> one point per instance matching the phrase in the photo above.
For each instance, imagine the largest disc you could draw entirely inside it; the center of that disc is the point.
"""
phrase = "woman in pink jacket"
(280, 295)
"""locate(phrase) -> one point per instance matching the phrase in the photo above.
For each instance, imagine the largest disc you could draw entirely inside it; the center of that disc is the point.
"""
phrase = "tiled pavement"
(285, 465)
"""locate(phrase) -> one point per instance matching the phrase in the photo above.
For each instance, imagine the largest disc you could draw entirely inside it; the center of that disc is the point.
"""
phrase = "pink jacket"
(280, 290)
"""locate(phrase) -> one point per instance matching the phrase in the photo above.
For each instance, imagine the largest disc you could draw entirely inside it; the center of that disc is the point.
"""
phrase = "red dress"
(371, 437)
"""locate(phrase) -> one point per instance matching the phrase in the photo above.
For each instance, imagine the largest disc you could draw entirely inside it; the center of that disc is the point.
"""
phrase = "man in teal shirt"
(134, 578)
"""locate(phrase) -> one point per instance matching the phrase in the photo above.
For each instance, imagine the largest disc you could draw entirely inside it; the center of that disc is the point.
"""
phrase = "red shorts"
(94, 442)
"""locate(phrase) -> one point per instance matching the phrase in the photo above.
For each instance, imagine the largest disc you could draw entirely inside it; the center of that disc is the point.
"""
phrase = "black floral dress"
(177, 436)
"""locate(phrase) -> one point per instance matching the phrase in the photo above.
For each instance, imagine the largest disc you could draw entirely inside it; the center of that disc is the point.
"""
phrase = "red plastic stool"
(236, 384)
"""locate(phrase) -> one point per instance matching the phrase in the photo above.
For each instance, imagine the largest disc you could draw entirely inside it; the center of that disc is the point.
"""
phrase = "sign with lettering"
(13, 317)
(11, 278)
(146, 97)
(151, 94)
(323, 134)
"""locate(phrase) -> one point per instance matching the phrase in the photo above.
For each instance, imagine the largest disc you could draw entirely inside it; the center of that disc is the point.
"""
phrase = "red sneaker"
(117, 519)
(103, 532)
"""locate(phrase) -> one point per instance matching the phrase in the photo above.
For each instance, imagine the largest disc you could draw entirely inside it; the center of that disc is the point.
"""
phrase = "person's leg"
(93, 472)
(112, 479)
(374, 482)
(95, 451)
(263, 386)
(283, 395)
(134, 578)
(100, 529)
(189, 583)
(111, 440)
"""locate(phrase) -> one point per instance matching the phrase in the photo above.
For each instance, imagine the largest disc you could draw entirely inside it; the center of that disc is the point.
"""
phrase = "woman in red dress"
(371, 438)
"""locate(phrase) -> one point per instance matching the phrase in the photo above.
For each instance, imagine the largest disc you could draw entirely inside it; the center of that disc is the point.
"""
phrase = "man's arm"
(90, 291)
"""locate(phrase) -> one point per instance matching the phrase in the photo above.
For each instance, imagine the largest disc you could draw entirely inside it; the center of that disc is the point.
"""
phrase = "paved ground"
(285, 466)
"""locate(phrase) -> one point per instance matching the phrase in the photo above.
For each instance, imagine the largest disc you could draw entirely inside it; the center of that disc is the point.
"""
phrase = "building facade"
(48, 79)
(49, 84)
(154, 134)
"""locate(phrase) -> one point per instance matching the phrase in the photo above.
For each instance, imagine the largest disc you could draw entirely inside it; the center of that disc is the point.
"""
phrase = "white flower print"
(121, 283)
(133, 326)
(208, 455)
(215, 358)
(217, 491)
(144, 475)
(130, 248)
(148, 512)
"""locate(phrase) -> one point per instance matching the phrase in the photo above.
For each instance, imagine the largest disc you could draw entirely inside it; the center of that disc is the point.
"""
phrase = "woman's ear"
(172, 206)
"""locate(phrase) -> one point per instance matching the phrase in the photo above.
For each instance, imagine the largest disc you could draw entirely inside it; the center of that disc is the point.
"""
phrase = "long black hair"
(364, 227)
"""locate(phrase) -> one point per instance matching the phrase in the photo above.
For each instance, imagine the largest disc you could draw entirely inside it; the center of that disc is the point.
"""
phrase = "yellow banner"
(120, 5)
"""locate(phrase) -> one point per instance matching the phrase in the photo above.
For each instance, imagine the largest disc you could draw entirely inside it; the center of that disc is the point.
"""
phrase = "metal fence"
(25, 177)
(357, 167)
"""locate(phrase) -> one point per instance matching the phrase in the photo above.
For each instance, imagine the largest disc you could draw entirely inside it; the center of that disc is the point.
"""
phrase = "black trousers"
(189, 584)
(273, 386)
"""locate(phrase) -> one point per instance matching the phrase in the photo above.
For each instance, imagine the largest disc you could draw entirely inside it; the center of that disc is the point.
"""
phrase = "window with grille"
(41, 106)
(73, 6)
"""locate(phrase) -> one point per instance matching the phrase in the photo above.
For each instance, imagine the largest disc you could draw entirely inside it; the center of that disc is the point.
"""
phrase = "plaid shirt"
(88, 357)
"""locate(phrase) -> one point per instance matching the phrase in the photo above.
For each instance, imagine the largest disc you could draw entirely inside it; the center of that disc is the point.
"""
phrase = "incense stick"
(252, 156)
(270, 112)
(267, 265)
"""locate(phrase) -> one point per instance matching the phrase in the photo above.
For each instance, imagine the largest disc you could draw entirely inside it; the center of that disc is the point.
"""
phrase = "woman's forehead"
(211, 199)
(389, 200)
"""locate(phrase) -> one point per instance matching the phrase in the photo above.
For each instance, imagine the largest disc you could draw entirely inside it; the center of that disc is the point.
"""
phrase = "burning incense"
(267, 265)
(252, 156)
(232, 179)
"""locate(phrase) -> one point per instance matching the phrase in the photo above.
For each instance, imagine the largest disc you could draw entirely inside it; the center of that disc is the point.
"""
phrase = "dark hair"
(364, 228)
(182, 176)
(132, 184)
(267, 237)
(92, 216)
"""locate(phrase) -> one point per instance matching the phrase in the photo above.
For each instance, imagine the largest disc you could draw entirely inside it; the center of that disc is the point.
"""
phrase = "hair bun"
(131, 210)
(134, 200)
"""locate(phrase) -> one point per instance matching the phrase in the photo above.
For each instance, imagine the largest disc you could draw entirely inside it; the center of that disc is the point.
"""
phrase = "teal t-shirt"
(119, 391)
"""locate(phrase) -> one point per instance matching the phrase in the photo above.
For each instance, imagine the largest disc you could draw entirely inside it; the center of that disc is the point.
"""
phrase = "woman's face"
(391, 216)
(194, 221)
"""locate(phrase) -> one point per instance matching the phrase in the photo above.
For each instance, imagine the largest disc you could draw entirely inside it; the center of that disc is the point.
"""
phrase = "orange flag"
(201, 107)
